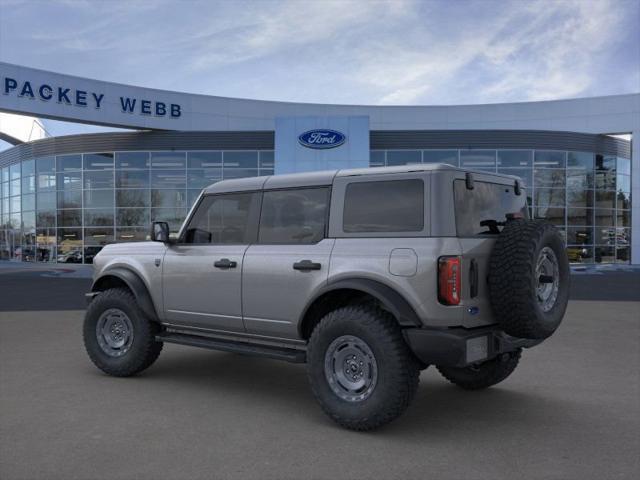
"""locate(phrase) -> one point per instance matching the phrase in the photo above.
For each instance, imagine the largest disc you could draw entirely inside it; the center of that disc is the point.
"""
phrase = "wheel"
(118, 337)
(483, 375)
(529, 279)
(360, 369)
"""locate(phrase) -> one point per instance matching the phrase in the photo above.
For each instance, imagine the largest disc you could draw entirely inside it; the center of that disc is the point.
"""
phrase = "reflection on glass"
(168, 179)
(240, 159)
(98, 199)
(549, 178)
(515, 158)
(403, 157)
(132, 160)
(98, 161)
(204, 159)
(133, 198)
(549, 159)
(604, 217)
(132, 217)
(376, 158)
(168, 198)
(98, 217)
(132, 179)
(579, 216)
(98, 179)
(440, 156)
(69, 162)
(168, 159)
(605, 255)
(580, 235)
(478, 159)
(583, 160)
(549, 197)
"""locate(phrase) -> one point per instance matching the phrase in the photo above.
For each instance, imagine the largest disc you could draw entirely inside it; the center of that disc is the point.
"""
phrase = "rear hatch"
(481, 208)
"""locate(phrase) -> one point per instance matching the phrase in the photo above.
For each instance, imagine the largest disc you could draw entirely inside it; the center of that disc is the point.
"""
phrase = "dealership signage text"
(322, 139)
(83, 98)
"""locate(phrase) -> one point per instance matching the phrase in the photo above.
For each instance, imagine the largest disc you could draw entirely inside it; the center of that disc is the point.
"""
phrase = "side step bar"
(286, 354)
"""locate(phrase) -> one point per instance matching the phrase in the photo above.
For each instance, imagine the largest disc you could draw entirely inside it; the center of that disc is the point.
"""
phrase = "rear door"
(288, 263)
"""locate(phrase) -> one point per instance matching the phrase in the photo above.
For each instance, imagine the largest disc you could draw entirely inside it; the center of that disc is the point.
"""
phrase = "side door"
(289, 262)
(202, 273)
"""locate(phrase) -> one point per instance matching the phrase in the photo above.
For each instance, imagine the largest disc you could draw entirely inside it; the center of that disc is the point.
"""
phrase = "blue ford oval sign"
(322, 138)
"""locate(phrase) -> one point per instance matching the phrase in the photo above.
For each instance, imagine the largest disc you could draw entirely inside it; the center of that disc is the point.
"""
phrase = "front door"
(202, 273)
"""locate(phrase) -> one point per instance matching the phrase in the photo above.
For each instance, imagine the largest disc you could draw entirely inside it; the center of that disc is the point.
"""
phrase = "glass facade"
(66, 208)
(587, 196)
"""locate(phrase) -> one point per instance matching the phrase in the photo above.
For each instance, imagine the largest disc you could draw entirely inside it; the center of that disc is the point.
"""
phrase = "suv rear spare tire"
(529, 279)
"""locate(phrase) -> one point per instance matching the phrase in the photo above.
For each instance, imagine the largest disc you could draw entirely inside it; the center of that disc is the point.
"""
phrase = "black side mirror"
(160, 232)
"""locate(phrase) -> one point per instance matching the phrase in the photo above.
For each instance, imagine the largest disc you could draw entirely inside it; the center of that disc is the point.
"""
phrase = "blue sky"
(368, 52)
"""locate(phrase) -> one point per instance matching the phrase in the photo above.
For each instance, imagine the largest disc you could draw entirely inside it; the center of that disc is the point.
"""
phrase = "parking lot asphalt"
(570, 411)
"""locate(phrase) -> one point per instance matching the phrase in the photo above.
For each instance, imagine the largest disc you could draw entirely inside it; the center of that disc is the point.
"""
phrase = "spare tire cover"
(529, 279)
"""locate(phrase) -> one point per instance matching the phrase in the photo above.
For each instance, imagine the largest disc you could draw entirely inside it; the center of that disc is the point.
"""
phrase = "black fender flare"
(394, 302)
(135, 284)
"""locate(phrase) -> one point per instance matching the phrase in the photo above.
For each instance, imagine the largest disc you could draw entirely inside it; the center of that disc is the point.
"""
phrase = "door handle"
(306, 265)
(225, 263)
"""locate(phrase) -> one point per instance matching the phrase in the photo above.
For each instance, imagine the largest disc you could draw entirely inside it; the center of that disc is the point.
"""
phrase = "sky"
(395, 52)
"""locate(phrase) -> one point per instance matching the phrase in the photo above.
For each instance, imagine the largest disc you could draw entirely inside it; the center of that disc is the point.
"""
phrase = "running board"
(277, 353)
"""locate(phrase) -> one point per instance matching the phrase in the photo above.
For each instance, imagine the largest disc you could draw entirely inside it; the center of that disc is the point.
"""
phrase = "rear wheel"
(476, 377)
(118, 337)
(360, 369)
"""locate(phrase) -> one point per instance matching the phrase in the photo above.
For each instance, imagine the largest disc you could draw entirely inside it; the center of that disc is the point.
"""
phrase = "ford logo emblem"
(322, 138)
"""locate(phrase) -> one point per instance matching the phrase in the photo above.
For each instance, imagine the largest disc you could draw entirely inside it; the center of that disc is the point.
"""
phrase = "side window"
(384, 206)
(293, 216)
(224, 219)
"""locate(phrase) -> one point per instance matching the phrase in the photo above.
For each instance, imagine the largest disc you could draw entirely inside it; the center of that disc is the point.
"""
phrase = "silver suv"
(368, 276)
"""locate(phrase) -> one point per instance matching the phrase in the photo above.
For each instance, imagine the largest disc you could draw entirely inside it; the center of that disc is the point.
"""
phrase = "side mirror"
(160, 232)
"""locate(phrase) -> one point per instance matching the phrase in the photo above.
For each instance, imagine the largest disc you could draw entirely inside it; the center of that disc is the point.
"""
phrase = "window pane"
(132, 179)
(579, 178)
(241, 159)
(70, 218)
(526, 174)
(604, 217)
(70, 199)
(605, 163)
(239, 173)
(605, 236)
(69, 180)
(623, 200)
(376, 158)
(132, 234)
(549, 178)
(515, 158)
(623, 183)
(98, 161)
(580, 198)
(69, 162)
(98, 199)
(192, 196)
(98, 179)
(168, 179)
(224, 219)
(173, 216)
(14, 204)
(46, 181)
(554, 215)
(133, 217)
(98, 236)
(623, 218)
(169, 198)
(549, 197)
(29, 202)
(487, 201)
(46, 218)
(623, 166)
(478, 159)
(549, 159)
(98, 217)
(403, 157)
(168, 160)
(605, 180)
(266, 159)
(580, 254)
(28, 184)
(582, 160)
(579, 216)
(204, 159)
(293, 216)
(203, 178)
(132, 198)
(402, 210)
(440, 156)
(46, 165)
(14, 187)
(132, 159)
(580, 235)
(28, 168)
(605, 255)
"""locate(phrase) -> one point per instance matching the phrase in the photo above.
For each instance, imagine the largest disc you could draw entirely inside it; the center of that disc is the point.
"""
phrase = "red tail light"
(449, 280)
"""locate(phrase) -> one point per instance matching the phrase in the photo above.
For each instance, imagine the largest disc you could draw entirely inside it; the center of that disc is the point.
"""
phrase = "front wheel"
(360, 369)
(484, 375)
(118, 337)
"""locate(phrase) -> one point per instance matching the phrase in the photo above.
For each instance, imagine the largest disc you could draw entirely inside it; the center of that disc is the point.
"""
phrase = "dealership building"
(63, 198)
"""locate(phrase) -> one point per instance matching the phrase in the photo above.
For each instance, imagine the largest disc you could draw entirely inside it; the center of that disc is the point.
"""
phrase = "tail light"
(449, 280)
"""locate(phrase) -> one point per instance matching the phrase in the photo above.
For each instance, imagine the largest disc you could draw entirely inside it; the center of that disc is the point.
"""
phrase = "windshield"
(482, 210)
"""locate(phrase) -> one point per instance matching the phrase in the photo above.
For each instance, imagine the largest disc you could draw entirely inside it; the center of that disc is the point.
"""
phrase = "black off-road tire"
(397, 369)
(144, 349)
(484, 375)
(513, 282)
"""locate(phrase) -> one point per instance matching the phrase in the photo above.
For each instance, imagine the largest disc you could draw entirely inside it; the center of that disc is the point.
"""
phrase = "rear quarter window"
(487, 201)
(384, 206)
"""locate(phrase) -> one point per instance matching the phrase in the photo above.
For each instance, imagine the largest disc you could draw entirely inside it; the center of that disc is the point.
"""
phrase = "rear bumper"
(461, 347)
